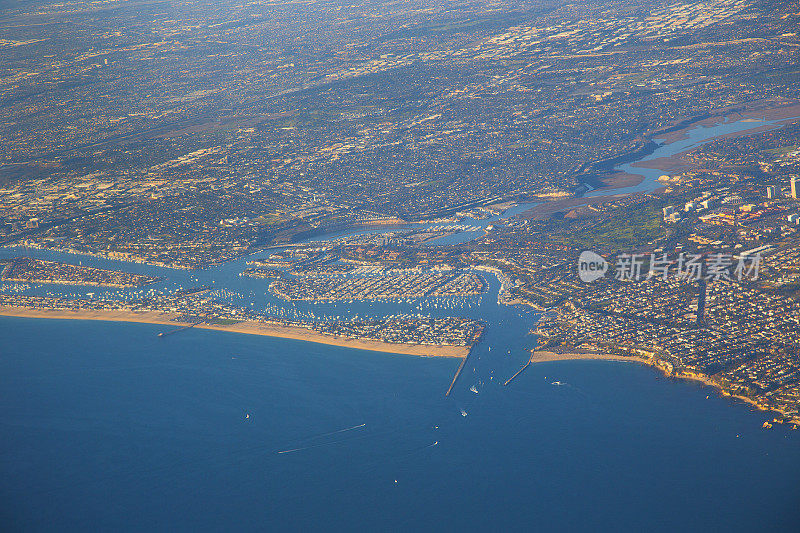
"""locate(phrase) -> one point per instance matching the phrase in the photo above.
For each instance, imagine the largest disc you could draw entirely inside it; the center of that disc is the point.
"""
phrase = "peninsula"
(250, 326)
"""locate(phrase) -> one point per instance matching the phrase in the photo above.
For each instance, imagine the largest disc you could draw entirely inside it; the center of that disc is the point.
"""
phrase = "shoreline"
(248, 327)
(542, 356)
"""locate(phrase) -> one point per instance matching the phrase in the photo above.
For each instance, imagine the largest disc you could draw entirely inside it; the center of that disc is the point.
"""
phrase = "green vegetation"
(269, 220)
(783, 150)
(623, 230)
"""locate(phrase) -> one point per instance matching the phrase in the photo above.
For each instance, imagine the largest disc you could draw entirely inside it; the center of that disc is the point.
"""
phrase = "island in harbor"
(30, 270)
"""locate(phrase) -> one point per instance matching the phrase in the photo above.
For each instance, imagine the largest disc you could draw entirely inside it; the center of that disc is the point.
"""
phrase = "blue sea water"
(107, 426)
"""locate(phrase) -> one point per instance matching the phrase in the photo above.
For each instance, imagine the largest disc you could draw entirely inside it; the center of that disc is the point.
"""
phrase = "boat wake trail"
(310, 446)
(338, 431)
(572, 388)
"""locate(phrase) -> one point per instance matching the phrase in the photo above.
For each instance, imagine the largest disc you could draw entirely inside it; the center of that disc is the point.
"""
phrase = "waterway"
(693, 138)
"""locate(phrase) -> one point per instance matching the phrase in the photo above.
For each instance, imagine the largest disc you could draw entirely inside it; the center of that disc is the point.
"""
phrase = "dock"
(509, 380)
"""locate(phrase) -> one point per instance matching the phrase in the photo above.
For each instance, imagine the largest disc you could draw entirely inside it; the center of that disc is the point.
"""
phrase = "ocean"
(107, 426)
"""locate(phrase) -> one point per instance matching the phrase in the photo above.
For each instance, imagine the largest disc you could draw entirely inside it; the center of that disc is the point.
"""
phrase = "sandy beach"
(538, 356)
(249, 327)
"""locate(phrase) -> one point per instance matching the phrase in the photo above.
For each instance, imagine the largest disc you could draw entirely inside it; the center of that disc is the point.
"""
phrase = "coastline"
(248, 327)
(541, 356)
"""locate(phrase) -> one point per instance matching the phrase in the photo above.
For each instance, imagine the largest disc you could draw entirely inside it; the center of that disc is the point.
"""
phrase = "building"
(771, 193)
(796, 187)
(708, 204)
(756, 251)
(719, 219)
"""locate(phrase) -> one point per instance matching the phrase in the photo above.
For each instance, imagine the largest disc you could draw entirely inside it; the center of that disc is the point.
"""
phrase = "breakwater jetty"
(509, 380)
(458, 373)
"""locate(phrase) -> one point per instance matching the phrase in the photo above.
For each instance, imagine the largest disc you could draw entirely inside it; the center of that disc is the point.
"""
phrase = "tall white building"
(796, 187)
